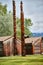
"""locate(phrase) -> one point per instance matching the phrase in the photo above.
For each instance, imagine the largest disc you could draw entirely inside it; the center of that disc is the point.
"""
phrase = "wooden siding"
(9, 50)
(1, 48)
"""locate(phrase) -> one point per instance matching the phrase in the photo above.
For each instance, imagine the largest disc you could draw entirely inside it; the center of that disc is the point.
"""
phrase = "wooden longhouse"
(32, 46)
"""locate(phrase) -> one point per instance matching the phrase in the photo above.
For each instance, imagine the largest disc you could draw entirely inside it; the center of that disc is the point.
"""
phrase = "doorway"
(28, 48)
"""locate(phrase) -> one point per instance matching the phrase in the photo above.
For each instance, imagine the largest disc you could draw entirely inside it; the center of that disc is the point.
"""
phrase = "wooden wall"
(1, 48)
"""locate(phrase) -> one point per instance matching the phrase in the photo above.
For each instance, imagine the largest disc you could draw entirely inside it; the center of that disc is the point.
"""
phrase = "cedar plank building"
(32, 46)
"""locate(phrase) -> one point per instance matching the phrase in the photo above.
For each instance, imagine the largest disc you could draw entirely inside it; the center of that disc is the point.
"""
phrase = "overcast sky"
(32, 9)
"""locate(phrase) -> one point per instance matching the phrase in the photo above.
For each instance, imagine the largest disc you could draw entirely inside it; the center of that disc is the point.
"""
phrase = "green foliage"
(3, 9)
(6, 26)
(27, 24)
(6, 23)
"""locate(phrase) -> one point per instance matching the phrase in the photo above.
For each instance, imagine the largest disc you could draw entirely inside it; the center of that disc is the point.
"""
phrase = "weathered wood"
(40, 46)
(22, 30)
(14, 24)
(1, 49)
(32, 49)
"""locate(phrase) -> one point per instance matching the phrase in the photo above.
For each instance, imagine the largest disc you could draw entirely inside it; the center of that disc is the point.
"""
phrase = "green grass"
(19, 60)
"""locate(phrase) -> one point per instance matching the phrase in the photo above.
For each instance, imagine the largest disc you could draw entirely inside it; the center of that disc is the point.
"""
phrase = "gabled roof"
(32, 39)
(27, 40)
(5, 38)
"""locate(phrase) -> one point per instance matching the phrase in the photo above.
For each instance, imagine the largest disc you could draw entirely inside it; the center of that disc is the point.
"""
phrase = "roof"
(5, 38)
(32, 39)
(27, 40)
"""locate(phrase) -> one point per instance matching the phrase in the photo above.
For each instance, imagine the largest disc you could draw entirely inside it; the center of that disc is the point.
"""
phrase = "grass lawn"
(19, 60)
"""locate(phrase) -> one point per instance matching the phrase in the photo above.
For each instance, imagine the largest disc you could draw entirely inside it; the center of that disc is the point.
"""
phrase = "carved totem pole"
(22, 29)
(14, 24)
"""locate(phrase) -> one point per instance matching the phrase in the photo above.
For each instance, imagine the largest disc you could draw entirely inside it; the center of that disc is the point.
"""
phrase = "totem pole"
(14, 24)
(22, 30)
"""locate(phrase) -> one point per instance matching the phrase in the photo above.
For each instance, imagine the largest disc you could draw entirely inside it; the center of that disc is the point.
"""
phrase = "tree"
(27, 24)
(6, 23)
(3, 9)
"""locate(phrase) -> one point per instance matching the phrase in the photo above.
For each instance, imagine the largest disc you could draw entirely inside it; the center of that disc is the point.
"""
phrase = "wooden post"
(14, 23)
(40, 45)
(22, 30)
(32, 49)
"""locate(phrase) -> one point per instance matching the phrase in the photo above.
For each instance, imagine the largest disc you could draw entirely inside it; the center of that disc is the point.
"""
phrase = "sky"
(33, 9)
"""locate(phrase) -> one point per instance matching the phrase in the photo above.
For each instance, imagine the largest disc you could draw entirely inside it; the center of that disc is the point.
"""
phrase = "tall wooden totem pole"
(14, 24)
(22, 29)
